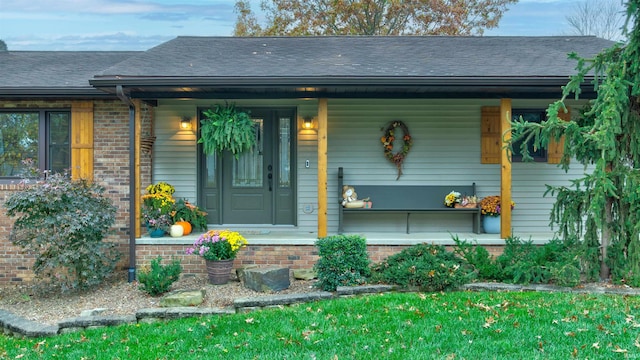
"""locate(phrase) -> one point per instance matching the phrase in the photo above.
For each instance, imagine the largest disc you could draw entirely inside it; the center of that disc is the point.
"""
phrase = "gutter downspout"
(132, 187)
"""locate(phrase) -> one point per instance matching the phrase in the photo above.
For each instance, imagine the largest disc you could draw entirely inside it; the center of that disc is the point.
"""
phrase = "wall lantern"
(307, 122)
(185, 123)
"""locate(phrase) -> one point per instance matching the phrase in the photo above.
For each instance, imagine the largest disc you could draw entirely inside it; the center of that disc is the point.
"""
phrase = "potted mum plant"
(193, 216)
(490, 207)
(157, 205)
(219, 248)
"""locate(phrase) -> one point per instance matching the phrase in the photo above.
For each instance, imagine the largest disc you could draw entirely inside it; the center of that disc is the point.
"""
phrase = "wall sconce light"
(307, 122)
(185, 123)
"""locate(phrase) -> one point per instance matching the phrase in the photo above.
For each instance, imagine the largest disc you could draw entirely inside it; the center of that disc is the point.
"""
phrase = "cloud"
(94, 42)
(148, 10)
(166, 16)
(105, 24)
(80, 6)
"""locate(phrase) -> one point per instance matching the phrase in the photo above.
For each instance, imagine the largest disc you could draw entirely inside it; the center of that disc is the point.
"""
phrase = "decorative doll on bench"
(350, 199)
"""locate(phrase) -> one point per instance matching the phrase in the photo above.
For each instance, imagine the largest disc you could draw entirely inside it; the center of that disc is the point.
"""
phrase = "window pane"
(18, 141)
(532, 116)
(247, 168)
(285, 152)
(211, 171)
(59, 157)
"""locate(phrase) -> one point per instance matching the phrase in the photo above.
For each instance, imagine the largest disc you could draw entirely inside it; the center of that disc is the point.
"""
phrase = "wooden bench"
(407, 199)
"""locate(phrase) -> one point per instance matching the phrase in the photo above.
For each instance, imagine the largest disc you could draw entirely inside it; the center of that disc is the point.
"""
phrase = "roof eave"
(126, 81)
(53, 92)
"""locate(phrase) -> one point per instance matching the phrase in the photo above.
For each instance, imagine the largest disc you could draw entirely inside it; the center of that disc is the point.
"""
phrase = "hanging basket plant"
(226, 128)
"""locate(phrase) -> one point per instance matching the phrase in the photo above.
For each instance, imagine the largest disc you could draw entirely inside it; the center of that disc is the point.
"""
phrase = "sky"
(142, 24)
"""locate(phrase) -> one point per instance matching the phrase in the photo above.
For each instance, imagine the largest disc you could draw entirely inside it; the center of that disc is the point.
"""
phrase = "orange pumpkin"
(186, 226)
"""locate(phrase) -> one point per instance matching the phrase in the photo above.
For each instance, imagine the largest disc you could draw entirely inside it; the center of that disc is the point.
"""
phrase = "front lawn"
(457, 325)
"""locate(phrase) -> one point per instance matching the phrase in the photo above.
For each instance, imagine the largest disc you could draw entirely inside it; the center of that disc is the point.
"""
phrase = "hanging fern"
(225, 128)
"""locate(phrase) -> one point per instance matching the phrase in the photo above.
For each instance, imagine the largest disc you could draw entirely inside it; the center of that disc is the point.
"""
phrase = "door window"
(284, 151)
(248, 167)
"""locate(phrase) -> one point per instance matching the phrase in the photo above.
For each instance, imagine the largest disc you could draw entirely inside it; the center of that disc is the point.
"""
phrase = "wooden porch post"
(505, 169)
(138, 125)
(322, 167)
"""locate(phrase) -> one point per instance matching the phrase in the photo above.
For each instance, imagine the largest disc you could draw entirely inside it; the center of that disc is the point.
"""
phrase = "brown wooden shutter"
(490, 135)
(82, 140)
(556, 148)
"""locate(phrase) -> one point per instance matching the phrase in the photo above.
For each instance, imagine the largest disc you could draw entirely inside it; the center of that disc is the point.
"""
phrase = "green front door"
(257, 187)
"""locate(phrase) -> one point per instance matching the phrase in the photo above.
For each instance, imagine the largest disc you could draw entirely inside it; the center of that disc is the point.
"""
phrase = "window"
(42, 135)
(532, 116)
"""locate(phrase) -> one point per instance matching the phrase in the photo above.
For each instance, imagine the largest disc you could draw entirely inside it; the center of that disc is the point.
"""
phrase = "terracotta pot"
(219, 271)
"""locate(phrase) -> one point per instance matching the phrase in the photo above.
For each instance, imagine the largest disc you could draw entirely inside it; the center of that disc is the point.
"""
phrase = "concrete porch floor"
(292, 237)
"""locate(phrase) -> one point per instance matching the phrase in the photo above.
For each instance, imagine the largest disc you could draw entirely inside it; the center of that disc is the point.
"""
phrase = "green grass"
(458, 325)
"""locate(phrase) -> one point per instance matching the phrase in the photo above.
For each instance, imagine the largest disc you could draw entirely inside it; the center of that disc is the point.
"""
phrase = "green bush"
(565, 274)
(343, 261)
(156, 279)
(522, 262)
(428, 267)
(63, 222)
(554, 262)
(479, 258)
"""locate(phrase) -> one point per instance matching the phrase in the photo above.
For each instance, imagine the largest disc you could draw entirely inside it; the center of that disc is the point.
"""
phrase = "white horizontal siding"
(307, 149)
(174, 151)
(446, 151)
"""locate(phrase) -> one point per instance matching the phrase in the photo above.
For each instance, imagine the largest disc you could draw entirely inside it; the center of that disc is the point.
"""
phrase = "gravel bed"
(36, 302)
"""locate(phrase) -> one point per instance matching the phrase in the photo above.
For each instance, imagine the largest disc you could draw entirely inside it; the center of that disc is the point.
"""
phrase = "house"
(321, 103)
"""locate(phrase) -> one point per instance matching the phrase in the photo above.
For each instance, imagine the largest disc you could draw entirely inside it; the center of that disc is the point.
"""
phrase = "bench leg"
(476, 223)
(408, 222)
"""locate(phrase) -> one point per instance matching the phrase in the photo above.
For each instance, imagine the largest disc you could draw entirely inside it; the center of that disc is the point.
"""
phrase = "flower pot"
(491, 224)
(156, 233)
(219, 271)
(467, 206)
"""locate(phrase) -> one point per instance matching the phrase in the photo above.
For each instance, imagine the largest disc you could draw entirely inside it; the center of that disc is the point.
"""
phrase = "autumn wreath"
(387, 142)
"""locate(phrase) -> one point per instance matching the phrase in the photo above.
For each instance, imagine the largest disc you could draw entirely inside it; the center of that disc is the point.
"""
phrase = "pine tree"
(601, 209)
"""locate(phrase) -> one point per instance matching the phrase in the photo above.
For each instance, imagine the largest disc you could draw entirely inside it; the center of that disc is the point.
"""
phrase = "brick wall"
(292, 256)
(14, 265)
(111, 170)
(111, 158)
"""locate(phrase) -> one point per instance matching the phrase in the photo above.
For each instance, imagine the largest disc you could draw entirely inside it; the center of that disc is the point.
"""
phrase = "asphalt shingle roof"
(360, 56)
(205, 64)
(55, 69)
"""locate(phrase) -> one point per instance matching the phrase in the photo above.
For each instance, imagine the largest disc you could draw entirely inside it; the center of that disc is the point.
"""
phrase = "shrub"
(479, 258)
(565, 274)
(343, 261)
(522, 262)
(62, 222)
(428, 267)
(555, 261)
(156, 279)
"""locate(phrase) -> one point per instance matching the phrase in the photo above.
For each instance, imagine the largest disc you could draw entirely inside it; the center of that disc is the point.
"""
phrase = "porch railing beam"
(322, 167)
(505, 169)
